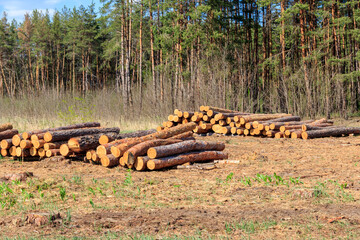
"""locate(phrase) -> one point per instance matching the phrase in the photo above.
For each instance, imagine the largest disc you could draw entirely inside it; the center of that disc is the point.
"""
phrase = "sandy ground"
(278, 188)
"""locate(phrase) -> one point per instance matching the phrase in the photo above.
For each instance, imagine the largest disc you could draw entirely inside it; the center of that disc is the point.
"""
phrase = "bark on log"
(277, 125)
(84, 143)
(330, 132)
(251, 118)
(185, 158)
(5, 143)
(67, 134)
(285, 119)
(142, 148)
(289, 127)
(109, 161)
(296, 134)
(307, 127)
(183, 147)
(8, 134)
(217, 109)
(183, 136)
(27, 135)
(6, 126)
(224, 116)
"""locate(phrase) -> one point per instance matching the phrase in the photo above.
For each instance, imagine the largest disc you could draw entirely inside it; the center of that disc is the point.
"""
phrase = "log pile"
(140, 150)
(6, 133)
(211, 120)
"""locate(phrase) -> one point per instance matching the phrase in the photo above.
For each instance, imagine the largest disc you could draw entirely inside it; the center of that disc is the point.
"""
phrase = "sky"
(16, 9)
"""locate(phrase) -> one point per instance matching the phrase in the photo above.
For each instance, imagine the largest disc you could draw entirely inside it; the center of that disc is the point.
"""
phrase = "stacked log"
(210, 120)
(6, 134)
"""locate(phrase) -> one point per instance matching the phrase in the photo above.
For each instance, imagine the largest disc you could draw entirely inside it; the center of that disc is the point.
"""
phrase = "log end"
(64, 150)
(16, 139)
(47, 137)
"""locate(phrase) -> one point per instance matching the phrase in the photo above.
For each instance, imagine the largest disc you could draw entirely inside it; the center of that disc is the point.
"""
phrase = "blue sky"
(16, 9)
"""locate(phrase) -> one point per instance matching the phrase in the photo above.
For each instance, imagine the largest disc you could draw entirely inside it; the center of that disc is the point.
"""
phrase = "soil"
(314, 193)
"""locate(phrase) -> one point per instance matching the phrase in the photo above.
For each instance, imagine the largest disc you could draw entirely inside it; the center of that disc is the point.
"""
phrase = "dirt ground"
(278, 188)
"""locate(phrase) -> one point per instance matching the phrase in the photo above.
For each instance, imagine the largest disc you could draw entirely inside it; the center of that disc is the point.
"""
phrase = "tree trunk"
(330, 132)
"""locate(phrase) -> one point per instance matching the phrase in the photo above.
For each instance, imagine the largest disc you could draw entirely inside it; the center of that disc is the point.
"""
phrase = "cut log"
(6, 143)
(142, 148)
(140, 163)
(4, 152)
(296, 134)
(8, 134)
(6, 126)
(12, 151)
(53, 145)
(84, 143)
(41, 152)
(251, 118)
(185, 158)
(199, 130)
(22, 152)
(225, 130)
(25, 144)
(240, 131)
(109, 161)
(183, 136)
(217, 109)
(225, 116)
(26, 135)
(185, 121)
(188, 114)
(206, 118)
(65, 150)
(67, 134)
(289, 127)
(38, 143)
(52, 152)
(95, 158)
(183, 147)
(285, 119)
(279, 135)
(89, 154)
(33, 151)
(16, 139)
(329, 132)
(277, 125)
(320, 126)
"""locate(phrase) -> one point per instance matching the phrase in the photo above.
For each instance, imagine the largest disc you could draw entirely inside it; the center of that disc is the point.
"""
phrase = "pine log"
(16, 139)
(185, 158)
(22, 152)
(225, 130)
(213, 121)
(199, 130)
(307, 127)
(285, 119)
(67, 134)
(34, 152)
(183, 147)
(5, 126)
(240, 131)
(230, 120)
(217, 109)
(141, 162)
(41, 152)
(12, 151)
(4, 152)
(5, 143)
(279, 135)
(277, 125)
(225, 116)
(84, 143)
(52, 152)
(95, 158)
(329, 132)
(8, 134)
(27, 135)
(25, 144)
(289, 127)
(142, 148)
(188, 114)
(38, 143)
(89, 154)
(53, 145)
(185, 120)
(109, 137)
(250, 118)
(109, 161)
(65, 150)
(296, 134)
(246, 132)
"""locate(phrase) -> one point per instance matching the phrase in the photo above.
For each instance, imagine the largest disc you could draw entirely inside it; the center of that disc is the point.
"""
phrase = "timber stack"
(6, 133)
(217, 120)
(49, 142)
(162, 149)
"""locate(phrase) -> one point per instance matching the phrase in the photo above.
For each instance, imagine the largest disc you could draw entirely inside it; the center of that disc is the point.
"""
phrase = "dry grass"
(48, 110)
